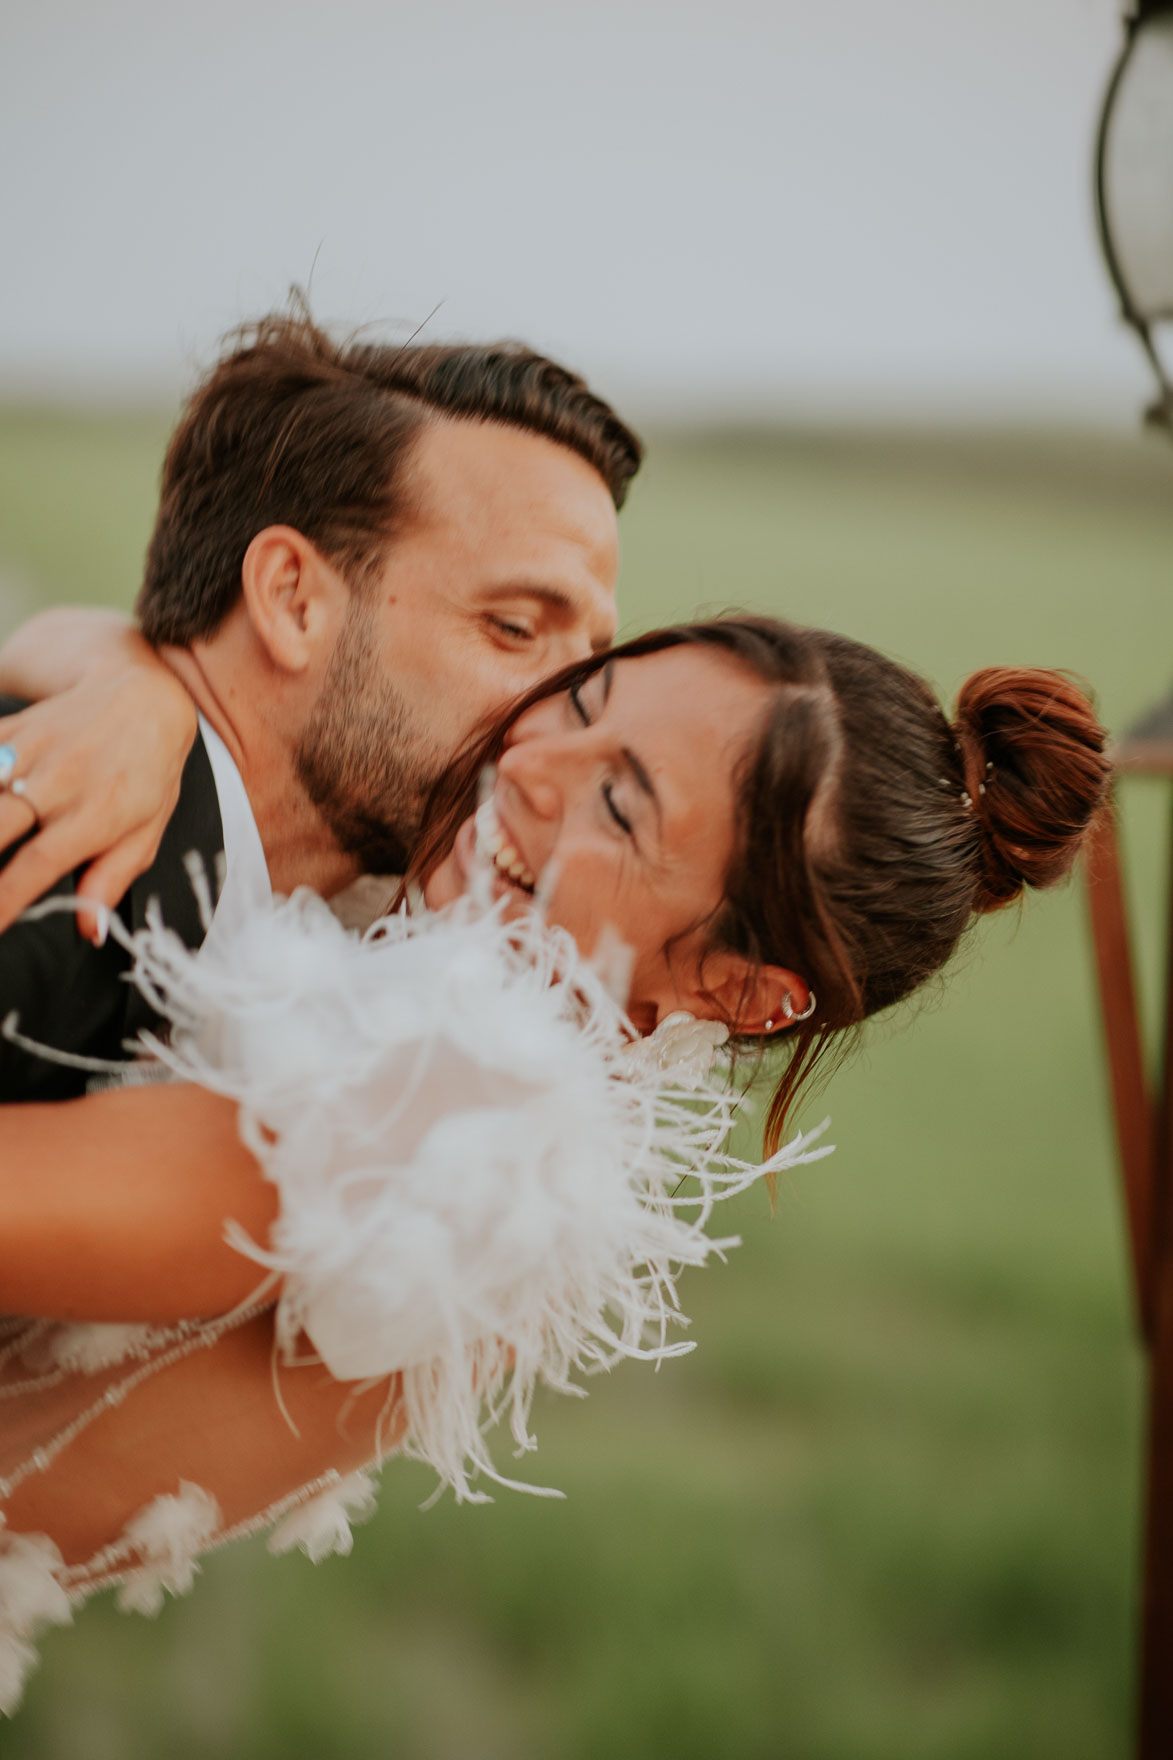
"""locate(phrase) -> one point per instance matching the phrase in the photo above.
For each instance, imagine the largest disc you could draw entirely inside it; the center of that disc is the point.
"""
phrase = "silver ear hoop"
(788, 1010)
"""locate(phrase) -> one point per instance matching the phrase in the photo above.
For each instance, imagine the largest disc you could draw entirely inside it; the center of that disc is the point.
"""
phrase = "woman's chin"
(439, 888)
(449, 879)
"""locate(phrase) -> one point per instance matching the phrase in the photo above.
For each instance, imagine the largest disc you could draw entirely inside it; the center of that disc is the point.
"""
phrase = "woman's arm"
(101, 755)
(214, 1420)
(113, 1207)
(57, 647)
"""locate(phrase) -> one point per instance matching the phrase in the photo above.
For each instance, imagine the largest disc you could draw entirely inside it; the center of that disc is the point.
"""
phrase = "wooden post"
(1156, 1689)
(1144, 1136)
(1130, 1096)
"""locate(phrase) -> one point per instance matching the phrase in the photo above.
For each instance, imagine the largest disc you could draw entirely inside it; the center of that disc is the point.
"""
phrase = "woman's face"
(617, 798)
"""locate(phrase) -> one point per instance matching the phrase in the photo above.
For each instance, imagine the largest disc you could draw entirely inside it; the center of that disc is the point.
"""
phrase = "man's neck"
(299, 847)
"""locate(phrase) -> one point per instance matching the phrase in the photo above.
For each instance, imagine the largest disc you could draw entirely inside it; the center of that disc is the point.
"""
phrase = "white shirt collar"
(247, 887)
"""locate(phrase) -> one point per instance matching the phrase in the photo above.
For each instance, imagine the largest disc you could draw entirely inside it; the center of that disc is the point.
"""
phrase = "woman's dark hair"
(871, 830)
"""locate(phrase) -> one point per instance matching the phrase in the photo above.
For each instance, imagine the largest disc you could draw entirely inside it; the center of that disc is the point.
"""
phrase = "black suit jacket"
(74, 996)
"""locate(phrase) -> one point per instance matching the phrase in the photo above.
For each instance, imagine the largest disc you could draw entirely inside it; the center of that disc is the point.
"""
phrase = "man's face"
(504, 574)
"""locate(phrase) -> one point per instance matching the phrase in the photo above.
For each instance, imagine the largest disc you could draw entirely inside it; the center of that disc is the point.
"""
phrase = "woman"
(784, 832)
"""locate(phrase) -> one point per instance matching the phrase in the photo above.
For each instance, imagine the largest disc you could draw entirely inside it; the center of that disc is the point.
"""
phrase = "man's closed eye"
(514, 632)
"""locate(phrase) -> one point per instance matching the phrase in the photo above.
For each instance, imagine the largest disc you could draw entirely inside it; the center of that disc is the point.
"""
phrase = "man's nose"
(568, 648)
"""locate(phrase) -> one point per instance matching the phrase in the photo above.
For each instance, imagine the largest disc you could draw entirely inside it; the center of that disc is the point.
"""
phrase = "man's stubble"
(364, 760)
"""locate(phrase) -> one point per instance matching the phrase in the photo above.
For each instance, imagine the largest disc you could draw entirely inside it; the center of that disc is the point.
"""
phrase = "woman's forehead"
(692, 693)
(688, 714)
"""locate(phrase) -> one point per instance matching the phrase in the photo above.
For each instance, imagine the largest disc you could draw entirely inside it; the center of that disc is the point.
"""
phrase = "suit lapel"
(194, 829)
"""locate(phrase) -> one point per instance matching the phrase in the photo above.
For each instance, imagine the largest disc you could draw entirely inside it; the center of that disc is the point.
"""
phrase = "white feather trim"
(17, 1661)
(168, 1535)
(86, 1349)
(31, 1596)
(321, 1525)
(479, 1182)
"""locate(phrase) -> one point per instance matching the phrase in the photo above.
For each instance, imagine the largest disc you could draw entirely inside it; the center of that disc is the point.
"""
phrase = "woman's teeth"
(501, 852)
(507, 861)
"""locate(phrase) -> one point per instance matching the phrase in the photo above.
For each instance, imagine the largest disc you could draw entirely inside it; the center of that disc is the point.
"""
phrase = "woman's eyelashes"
(615, 811)
(574, 692)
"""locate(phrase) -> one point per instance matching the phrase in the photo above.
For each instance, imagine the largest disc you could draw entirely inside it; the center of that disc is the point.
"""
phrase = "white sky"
(867, 207)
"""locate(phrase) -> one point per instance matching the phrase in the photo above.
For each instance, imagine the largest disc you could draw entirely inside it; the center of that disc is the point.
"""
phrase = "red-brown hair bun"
(1032, 755)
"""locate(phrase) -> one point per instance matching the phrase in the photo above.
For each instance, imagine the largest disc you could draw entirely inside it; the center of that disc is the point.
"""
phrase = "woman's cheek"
(605, 905)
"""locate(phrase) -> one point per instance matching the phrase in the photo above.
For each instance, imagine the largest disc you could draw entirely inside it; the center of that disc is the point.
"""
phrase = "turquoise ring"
(7, 764)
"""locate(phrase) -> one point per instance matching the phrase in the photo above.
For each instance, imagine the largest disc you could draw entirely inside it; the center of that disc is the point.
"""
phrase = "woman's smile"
(483, 841)
(615, 802)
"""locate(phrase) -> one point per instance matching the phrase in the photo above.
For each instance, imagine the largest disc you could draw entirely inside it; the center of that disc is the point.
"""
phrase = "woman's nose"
(527, 767)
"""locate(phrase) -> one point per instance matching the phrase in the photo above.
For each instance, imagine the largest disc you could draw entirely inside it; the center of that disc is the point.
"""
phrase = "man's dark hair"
(292, 428)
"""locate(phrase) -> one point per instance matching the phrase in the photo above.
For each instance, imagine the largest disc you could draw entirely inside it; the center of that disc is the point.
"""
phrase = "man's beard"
(361, 759)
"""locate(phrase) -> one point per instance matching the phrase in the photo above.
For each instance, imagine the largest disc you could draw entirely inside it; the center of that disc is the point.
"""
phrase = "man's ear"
(294, 599)
(755, 999)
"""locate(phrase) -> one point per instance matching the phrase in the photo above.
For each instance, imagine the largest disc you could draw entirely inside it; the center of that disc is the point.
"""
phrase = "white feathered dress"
(485, 1183)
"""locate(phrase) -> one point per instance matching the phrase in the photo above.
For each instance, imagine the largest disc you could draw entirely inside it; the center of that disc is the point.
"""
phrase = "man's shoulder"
(193, 840)
(63, 992)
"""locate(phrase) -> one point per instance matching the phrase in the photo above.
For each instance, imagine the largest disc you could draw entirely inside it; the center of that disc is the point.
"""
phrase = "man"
(360, 554)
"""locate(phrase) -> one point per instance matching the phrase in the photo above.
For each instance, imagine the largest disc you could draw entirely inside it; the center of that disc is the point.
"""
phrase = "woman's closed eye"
(616, 811)
(574, 693)
(583, 715)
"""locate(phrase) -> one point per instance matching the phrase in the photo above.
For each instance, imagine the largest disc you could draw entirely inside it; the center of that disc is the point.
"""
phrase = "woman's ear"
(293, 598)
(752, 999)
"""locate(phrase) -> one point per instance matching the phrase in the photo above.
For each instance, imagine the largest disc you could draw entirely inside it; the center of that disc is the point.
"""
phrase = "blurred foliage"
(888, 1509)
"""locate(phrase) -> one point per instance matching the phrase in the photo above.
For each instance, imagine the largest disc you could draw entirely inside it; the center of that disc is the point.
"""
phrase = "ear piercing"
(790, 1013)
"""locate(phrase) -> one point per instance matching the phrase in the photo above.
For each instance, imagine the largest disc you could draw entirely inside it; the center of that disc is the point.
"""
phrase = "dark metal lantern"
(1134, 184)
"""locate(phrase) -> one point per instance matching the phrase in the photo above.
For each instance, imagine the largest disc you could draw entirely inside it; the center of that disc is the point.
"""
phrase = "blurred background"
(839, 263)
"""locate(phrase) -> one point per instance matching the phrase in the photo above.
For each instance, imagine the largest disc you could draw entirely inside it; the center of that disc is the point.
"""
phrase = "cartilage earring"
(788, 1009)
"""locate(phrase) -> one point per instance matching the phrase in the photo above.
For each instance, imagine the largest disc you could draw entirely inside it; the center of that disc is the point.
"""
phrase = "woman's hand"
(101, 761)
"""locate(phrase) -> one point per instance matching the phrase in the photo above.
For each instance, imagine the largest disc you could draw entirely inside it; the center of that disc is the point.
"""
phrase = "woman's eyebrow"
(644, 782)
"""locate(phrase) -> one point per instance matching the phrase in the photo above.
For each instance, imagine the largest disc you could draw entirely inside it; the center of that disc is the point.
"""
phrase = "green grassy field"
(888, 1508)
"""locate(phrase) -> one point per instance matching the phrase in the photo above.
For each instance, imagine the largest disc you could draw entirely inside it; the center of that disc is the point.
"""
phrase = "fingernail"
(103, 928)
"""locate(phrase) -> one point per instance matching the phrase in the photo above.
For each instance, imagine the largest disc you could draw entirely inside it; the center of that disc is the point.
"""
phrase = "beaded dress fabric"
(486, 1184)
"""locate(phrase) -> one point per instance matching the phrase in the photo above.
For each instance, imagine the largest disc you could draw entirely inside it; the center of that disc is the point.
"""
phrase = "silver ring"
(8, 758)
(20, 787)
(788, 1009)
